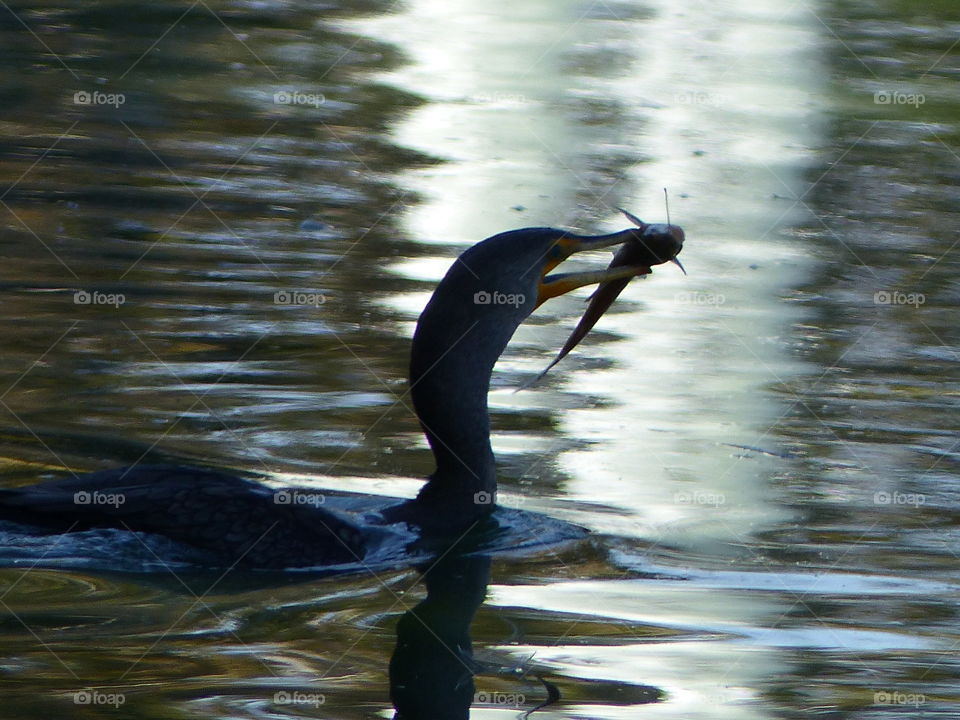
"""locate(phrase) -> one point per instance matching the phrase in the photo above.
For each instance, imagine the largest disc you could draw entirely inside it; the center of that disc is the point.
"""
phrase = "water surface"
(765, 451)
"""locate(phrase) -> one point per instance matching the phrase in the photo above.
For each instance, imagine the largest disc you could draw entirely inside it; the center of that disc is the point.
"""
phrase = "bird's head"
(496, 284)
(640, 249)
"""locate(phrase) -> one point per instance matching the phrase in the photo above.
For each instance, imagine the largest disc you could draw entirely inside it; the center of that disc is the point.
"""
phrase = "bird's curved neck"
(474, 311)
(455, 347)
(450, 378)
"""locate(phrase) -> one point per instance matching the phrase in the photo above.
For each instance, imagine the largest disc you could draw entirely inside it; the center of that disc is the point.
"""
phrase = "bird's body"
(234, 521)
(490, 289)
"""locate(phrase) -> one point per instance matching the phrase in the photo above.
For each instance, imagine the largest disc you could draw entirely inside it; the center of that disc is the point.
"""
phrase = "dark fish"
(648, 245)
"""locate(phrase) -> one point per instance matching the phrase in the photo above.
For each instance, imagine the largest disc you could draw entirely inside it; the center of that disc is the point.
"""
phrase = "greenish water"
(765, 450)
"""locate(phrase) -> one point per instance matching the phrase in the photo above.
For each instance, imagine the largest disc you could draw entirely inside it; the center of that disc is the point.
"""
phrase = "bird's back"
(234, 520)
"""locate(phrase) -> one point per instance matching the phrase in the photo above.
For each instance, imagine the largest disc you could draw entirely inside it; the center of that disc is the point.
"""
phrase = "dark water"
(766, 450)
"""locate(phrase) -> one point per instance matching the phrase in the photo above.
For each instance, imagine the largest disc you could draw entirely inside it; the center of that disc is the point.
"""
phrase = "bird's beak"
(552, 286)
(640, 250)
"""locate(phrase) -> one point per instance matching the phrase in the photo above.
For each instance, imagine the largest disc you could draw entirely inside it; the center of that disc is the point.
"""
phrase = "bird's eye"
(556, 251)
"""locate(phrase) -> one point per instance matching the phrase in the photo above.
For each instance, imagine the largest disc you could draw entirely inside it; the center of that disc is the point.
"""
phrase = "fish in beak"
(641, 249)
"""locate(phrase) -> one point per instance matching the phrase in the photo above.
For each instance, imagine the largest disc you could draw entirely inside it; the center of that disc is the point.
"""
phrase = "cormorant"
(488, 291)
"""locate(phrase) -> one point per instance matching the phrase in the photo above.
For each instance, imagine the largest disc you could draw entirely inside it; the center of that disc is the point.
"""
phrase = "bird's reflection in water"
(432, 667)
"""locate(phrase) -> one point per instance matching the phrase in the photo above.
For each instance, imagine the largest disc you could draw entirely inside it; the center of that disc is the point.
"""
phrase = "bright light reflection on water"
(714, 117)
